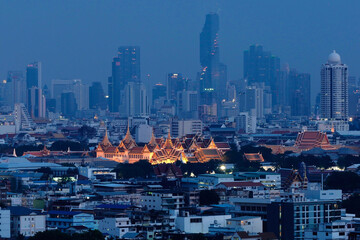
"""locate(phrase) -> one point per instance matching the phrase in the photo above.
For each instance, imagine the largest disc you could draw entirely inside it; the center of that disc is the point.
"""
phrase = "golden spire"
(212, 144)
(106, 141)
(152, 140)
(128, 137)
(168, 142)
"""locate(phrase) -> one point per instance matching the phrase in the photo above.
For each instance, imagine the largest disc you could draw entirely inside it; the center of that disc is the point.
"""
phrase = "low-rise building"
(339, 229)
(115, 225)
(26, 222)
(185, 222)
(65, 219)
(5, 223)
(162, 200)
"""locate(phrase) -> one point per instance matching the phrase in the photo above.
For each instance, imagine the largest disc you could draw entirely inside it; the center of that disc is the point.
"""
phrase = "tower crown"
(334, 58)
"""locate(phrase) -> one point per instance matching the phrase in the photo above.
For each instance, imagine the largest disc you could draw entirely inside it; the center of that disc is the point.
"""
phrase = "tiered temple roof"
(158, 151)
(312, 139)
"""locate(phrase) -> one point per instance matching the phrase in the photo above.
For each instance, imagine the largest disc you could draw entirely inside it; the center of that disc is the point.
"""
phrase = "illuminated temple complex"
(305, 141)
(191, 148)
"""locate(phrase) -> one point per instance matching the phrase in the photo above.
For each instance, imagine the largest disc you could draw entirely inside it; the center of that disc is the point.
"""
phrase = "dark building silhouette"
(68, 104)
(175, 82)
(51, 105)
(262, 67)
(299, 93)
(36, 103)
(97, 98)
(125, 69)
(33, 75)
(213, 75)
(158, 91)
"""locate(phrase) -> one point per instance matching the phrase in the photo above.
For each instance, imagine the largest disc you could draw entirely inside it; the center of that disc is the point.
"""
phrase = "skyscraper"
(158, 95)
(68, 104)
(299, 93)
(97, 98)
(135, 100)
(36, 103)
(17, 92)
(213, 73)
(125, 69)
(262, 67)
(334, 89)
(33, 75)
(175, 82)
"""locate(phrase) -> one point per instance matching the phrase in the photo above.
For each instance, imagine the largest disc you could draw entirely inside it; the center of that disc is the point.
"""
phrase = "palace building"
(305, 141)
(191, 148)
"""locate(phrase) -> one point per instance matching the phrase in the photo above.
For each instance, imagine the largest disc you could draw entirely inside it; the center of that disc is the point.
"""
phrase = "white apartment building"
(162, 200)
(199, 223)
(26, 222)
(4, 223)
(339, 229)
(115, 226)
(180, 128)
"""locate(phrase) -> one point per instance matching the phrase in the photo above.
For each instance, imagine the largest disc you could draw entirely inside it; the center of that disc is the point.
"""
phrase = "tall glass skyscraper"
(33, 75)
(125, 69)
(334, 89)
(213, 73)
(262, 67)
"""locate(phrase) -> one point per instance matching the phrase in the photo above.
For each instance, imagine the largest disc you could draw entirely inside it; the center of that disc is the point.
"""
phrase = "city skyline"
(268, 30)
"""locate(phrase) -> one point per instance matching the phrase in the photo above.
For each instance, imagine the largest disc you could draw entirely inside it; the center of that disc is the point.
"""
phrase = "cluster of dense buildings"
(185, 121)
(267, 95)
(77, 191)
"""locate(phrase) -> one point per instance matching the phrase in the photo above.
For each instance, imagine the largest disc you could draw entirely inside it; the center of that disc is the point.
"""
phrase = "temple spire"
(105, 141)
(14, 153)
(152, 140)
(168, 142)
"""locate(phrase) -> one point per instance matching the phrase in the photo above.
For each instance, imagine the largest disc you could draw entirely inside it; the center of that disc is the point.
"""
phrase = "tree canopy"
(58, 235)
(208, 197)
(346, 181)
(141, 168)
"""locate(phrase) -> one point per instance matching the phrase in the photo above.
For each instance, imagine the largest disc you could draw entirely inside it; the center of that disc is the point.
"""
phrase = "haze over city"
(179, 119)
(77, 39)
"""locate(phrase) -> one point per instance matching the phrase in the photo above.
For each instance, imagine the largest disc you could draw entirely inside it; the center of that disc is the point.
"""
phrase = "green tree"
(141, 168)
(89, 235)
(208, 197)
(346, 181)
(86, 132)
(53, 235)
(347, 161)
(65, 145)
(352, 204)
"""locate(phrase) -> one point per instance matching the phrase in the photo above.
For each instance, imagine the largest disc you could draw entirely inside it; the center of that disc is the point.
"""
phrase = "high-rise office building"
(354, 97)
(125, 69)
(213, 75)
(334, 89)
(33, 75)
(254, 100)
(175, 82)
(299, 93)
(36, 103)
(16, 92)
(80, 90)
(135, 100)
(97, 98)
(158, 96)
(262, 67)
(68, 104)
(187, 105)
